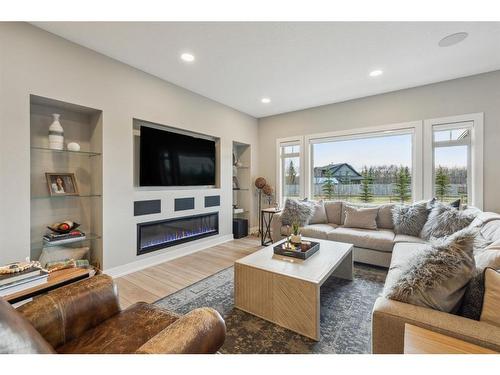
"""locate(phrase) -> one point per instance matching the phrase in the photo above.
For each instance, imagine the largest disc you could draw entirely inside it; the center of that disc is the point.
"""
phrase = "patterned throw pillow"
(437, 276)
(444, 220)
(296, 211)
(410, 219)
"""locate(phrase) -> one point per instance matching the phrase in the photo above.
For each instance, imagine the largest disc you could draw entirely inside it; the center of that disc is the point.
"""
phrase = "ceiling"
(296, 64)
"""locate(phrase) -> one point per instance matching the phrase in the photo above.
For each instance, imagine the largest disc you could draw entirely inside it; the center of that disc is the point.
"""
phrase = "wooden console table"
(422, 341)
(55, 280)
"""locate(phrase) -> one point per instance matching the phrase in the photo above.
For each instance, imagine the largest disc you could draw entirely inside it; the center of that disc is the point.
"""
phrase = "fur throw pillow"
(444, 220)
(410, 219)
(438, 276)
(296, 211)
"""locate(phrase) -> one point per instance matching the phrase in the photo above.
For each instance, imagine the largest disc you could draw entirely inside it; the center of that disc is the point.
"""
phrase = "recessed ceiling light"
(376, 73)
(265, 100)
(452, 39)
(187, 57)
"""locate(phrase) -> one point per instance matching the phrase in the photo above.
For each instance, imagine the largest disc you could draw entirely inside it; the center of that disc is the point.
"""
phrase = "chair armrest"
(389, 318)
(276, 227)
(65, 313)
(201, 331)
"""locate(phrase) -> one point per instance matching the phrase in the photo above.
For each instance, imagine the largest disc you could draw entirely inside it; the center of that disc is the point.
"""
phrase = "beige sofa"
(382, 247)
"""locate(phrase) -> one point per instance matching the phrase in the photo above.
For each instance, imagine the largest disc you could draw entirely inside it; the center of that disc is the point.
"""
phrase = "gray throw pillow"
(410, 219)
(364, 218)
(319, 213)
(296, 211)
(437, 277)
(444, 220)
(472, 302)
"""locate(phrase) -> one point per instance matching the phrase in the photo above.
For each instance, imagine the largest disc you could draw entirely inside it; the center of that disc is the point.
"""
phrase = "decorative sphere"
(267, 189)
(260, 182)
(73, 146)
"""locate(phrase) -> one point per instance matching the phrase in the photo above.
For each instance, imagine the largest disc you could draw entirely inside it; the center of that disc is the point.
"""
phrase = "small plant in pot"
(295, 237)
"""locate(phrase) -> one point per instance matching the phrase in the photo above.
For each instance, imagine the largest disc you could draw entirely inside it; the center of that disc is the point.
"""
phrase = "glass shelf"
(83, 153)
(88, 237)
(242, 167)
(65, 196)
(241, 189)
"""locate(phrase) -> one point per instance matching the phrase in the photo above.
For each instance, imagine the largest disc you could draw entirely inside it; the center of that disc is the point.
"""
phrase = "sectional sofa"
(383, 247)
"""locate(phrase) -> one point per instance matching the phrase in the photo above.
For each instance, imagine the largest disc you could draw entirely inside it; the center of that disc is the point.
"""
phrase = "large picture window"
(374, 167)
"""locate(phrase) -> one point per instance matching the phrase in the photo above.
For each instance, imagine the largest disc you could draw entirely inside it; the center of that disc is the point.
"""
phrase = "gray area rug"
(345, 315)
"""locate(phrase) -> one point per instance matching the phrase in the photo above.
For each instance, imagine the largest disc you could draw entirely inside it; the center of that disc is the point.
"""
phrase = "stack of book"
(53, 239)
(15, 282)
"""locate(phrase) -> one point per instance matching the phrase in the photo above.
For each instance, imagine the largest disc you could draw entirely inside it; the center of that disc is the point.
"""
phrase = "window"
(453, 169)
(371, 167)
(290, 170)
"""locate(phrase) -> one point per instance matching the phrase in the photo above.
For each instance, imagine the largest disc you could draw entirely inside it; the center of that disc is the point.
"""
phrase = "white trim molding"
(473, 121)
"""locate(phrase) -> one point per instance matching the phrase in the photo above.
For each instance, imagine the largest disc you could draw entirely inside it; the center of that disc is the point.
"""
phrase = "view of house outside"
(376, 170)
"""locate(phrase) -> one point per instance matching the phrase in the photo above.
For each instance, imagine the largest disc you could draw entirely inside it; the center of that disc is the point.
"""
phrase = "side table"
(266, 216)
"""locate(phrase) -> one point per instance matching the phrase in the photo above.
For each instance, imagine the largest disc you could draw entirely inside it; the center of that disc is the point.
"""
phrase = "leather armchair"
(85, 317)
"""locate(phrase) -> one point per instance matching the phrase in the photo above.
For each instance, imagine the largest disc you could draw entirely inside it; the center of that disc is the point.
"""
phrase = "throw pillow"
(59, 253)
(319, 213)
(444, 220)
(365, 218)
(296, 211)
(456, 204)
(488, 256)
(473, 296)
(437, 277)
(410, 219)
(491, 302)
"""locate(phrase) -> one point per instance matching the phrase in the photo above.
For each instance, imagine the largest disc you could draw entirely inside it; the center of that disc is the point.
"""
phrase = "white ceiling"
(299, 64)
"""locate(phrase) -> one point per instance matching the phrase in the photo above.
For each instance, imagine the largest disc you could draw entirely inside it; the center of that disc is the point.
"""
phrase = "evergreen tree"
(366, 186)
(402, 184)
(328, 185)
(292, 173)
(442, 183)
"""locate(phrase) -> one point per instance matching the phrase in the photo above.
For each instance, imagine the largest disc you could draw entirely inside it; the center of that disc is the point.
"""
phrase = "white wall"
(33, 61)
(480, 93)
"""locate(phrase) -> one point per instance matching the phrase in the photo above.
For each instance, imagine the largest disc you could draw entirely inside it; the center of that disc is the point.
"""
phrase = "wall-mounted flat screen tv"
(173, 159)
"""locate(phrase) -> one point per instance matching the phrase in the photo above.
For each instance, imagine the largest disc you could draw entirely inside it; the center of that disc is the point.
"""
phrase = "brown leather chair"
(85, 317)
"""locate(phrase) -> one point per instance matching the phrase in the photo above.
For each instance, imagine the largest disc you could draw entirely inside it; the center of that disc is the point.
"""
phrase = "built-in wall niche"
(242, 184)
(137, 150)
(82, 125)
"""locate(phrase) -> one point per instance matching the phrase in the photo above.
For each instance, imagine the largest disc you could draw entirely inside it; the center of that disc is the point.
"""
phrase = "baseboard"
(166, 256)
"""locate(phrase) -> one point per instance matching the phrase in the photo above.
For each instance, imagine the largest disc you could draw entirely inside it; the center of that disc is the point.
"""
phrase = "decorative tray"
(302, 251)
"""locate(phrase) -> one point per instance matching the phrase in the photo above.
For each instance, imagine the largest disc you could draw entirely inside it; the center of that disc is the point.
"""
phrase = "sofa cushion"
(437, 277)
(489, 232)
(364, 218)
(489, 256)
(410, 219)
(381, 239)
(384, 218)
(407, 238)
(491, 302)
(444, 220)
(334, 211)
(317, 230)
(319, 213)
(122, 333)
(297, 211)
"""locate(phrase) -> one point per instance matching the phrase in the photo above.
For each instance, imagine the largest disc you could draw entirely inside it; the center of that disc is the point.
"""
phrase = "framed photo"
(61, 184)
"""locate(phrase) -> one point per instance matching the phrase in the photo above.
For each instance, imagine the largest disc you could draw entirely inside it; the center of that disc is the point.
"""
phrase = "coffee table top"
(315, 269)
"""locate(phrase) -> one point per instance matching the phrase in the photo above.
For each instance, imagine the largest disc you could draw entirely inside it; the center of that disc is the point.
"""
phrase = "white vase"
(56, 134)
(295, 238)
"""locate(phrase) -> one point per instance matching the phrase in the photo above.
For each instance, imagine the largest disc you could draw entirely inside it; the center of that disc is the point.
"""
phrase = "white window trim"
(415, 127)
(476, 154)
(280, 142)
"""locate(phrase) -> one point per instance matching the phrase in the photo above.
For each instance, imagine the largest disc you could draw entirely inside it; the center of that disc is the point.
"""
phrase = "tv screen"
(172, 159)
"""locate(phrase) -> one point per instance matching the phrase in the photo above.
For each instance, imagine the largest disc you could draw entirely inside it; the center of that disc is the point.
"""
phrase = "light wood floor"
(153, 283)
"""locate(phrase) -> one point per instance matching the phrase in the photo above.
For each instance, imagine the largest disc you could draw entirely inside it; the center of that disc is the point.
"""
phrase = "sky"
(395, 149)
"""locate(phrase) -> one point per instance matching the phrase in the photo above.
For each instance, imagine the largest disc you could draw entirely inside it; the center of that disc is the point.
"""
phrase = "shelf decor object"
(61, 184)
(73, 146)
(56, 133)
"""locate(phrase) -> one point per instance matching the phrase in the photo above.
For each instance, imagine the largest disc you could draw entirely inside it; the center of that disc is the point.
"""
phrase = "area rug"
(345, 315)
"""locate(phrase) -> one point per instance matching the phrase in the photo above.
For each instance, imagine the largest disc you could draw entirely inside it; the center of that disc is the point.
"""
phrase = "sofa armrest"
(65, 313)
(276, 227)
(389, 318)
(201, 331)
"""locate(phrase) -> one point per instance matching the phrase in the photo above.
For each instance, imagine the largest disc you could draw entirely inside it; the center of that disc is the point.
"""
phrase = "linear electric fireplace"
(157, 235)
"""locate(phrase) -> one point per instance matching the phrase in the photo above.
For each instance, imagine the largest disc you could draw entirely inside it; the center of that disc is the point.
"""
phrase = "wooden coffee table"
(286, 291)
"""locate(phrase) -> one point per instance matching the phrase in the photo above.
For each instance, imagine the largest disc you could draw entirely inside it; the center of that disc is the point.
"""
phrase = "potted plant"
(295, 237)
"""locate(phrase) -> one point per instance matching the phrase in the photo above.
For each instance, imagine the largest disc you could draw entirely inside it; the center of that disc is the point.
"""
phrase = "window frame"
(284, 142)
(473, 122)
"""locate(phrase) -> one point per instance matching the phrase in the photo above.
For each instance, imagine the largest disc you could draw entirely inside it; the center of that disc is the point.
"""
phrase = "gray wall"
(33, 61)
(480, 93)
